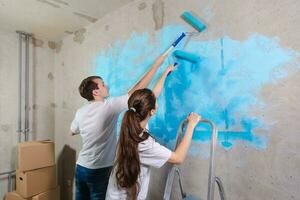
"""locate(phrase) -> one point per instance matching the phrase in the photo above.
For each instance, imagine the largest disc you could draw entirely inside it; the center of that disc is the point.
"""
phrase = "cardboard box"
(35, 154)
(14, 196)
(34, 182)
(48, 195)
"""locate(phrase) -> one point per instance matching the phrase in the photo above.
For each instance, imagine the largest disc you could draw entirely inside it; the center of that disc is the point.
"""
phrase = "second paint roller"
(193, 21)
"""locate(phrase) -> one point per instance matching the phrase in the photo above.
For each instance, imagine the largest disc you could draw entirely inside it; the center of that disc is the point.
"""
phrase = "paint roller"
(193, 21)
(186, 56)
(174, 44)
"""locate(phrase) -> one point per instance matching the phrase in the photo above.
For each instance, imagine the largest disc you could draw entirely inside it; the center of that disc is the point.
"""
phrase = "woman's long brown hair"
(127, 165)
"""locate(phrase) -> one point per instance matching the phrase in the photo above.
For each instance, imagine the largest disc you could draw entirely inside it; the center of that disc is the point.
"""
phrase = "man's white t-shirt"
(97, 124)
(152, 154)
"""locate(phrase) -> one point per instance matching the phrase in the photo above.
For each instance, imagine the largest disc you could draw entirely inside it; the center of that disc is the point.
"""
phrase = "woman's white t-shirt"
(152, 154)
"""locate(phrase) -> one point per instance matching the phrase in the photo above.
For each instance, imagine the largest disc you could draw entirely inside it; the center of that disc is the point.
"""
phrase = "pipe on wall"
(26, 81)
(10, 175)
(23, 103)
(19, 130)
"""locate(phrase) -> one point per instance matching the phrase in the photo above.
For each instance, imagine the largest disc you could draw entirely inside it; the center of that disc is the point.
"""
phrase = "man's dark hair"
(87, 86)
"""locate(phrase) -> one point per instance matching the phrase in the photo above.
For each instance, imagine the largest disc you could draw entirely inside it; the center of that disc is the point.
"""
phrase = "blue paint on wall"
(223, 87)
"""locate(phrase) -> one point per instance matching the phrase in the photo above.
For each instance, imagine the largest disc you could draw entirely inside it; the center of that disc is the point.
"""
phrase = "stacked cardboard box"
(36, 174)
(48, 195)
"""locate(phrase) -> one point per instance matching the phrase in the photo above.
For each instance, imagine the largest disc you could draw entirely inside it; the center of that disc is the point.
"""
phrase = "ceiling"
(53, 19)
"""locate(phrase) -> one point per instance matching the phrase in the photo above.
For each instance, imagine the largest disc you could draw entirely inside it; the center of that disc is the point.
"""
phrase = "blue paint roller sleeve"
(194, 21)
(186, 56)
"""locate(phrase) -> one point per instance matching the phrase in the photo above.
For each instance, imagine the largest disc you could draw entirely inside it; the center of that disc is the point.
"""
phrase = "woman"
(137, 151)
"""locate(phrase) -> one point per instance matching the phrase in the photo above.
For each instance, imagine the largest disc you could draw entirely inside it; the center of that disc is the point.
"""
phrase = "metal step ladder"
(212, 178)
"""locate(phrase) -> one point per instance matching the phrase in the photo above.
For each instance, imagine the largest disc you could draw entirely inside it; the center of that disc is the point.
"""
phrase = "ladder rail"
(212, 179)
(221, 188)
(211, 175)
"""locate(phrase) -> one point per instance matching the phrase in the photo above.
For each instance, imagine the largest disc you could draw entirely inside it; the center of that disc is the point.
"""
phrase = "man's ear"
(96, 92)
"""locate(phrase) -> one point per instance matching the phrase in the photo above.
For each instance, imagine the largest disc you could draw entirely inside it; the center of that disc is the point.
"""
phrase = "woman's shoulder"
(147, 144)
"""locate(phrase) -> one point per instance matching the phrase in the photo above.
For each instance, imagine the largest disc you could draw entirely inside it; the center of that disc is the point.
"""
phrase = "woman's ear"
(152, 112)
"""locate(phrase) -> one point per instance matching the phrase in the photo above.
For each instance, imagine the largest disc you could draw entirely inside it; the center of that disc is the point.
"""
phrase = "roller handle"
(174, 44)
(178, 39)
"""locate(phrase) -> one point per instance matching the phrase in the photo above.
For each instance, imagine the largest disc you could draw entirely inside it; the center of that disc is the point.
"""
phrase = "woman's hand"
(170, 69)
(193, 118)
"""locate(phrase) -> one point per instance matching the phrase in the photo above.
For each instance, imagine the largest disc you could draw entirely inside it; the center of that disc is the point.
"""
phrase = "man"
(96, 123)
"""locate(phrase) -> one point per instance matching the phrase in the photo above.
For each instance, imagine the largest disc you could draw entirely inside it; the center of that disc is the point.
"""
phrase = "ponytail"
(131, 134)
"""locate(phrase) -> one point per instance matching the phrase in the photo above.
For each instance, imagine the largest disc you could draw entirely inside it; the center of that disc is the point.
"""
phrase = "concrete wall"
(120, 46)
(248, 171)
(41, 103)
